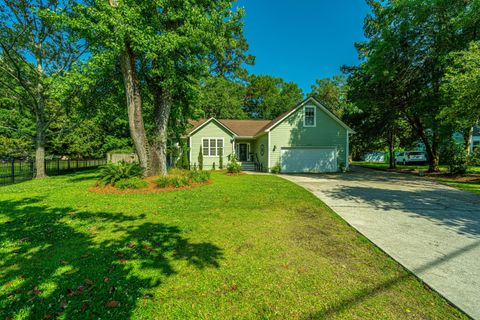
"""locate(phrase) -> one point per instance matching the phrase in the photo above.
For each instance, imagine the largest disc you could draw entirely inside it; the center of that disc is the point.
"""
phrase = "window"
(309, 117)
(212, 147)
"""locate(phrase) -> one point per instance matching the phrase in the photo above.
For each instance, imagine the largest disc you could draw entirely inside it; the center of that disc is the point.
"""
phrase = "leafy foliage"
(180, 178)
(112, 173)
(200, 159)
(275, 169)
(456, 158)
(233, 166)
(267, 97)
(220, 159)
(131, 183)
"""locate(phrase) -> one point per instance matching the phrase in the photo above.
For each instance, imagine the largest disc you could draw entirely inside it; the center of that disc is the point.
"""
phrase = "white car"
(410, 157)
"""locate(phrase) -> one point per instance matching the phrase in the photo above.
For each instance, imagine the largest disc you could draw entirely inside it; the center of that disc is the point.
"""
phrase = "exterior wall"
(291, 133)
(263, 159)
(210, 130)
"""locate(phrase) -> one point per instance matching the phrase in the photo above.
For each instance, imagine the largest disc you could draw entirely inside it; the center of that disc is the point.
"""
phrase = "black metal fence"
(14, 171)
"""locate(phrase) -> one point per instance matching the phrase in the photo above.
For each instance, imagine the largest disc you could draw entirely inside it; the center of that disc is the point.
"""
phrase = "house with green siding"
(308, 138)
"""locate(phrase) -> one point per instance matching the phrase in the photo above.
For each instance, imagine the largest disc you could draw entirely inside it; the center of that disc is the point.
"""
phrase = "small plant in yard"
(220, 159)
(275, 169)
(181, 178)
(200, 160)
(172, 181)
(456, 158)
(112, 173)
(233, 166)
(132, 183)
(342, 167)
(199, 176)
(213, 166)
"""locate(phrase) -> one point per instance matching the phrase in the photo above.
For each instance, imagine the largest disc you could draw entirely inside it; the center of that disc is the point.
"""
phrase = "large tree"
(267, 97)
(462, 85)
(332, 93)
(164, 49)
(408, 45)
(35, 56)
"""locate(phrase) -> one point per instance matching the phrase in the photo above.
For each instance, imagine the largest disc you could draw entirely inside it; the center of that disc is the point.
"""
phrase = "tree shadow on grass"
(357, 298)
(54, 263)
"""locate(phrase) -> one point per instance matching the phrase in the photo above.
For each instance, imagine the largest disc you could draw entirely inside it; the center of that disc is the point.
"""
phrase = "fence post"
(58, 166)
(68, 166)
(13, 170)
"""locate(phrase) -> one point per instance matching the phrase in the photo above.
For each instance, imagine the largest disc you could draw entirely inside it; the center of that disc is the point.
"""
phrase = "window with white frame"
(309, 116)
(212, 147)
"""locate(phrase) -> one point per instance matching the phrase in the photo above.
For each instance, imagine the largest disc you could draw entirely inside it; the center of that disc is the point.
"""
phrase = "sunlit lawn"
(244, 247)
(472, 184)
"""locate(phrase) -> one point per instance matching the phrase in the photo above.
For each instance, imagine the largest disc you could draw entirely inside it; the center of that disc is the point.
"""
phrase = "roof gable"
(253, 128)
(197, 125)
(313, 101)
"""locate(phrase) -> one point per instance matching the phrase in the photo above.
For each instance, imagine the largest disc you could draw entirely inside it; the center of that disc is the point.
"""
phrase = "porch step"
(248, 166)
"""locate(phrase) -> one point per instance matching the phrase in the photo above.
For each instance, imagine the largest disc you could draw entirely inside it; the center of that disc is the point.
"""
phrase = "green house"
(308, 138)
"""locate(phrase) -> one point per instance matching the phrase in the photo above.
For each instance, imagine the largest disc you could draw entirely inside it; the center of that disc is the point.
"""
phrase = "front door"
(242, 152)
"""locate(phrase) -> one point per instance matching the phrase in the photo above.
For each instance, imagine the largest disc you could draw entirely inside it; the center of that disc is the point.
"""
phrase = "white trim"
(318, 104)
(210, 120)
(268, 152)
(216, 146)
(190, 151)
(314, 116)
(347, 150)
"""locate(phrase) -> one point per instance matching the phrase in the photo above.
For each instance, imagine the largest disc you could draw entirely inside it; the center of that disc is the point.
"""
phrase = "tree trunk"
(134, 107)
(468, 138)
(391, 149)
(40, 149)
(163, 106)
(40, 138)
(430, 147)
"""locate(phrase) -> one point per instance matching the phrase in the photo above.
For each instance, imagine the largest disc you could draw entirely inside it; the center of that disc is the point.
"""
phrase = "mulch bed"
(152, 188)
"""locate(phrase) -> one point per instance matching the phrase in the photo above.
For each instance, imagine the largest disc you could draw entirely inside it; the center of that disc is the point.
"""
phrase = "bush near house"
(275, 169)
(233, 166)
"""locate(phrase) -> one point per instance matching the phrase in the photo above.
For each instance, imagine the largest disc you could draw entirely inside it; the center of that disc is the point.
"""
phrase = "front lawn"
(468, 182)
(244, 247)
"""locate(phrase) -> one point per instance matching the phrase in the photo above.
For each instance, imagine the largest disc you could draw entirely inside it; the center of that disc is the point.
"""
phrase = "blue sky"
(303, 40)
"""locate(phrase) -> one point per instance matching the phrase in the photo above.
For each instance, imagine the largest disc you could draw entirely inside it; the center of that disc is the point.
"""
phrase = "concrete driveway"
(431, 229)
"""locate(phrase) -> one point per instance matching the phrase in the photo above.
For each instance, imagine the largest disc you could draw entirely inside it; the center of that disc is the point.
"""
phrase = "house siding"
(263, 159)
(291, 133)
(210, 130)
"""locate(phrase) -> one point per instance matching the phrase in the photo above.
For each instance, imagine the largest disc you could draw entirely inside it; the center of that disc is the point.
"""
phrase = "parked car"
(411, 157)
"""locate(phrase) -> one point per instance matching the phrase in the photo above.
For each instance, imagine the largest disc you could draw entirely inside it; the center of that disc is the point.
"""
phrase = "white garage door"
(309, 160)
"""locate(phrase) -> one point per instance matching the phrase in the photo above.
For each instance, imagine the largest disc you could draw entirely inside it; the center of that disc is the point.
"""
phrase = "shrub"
(199, 176)
(213, 166)
(172, 181)
(275, 169)
(183, 160)
(200, 160)
(111, 173)
(456, 158)
(132, 183)
(220, 159)
(180, 178)
(233, 166)
(474, 159)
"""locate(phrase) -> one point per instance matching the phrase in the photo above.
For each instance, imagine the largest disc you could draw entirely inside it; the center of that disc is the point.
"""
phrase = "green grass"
(384, 166)
(445, 179)
(243, 247)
